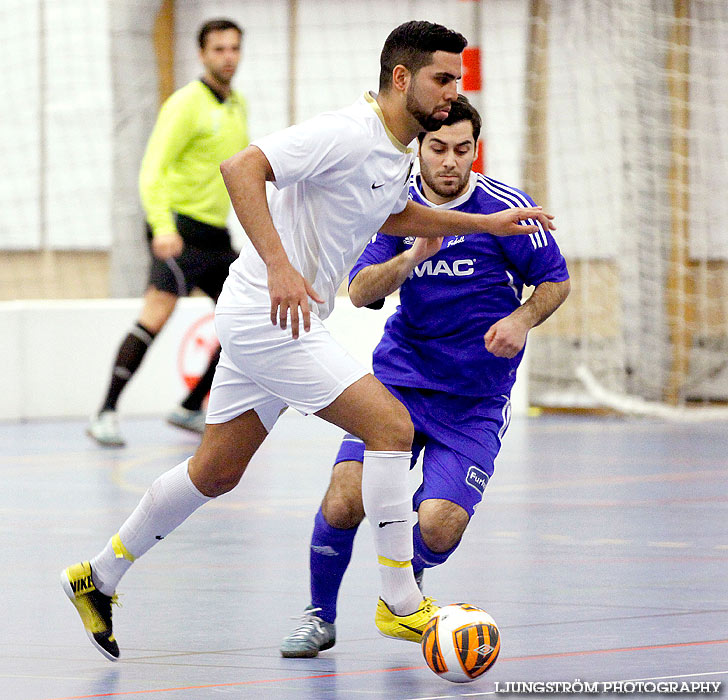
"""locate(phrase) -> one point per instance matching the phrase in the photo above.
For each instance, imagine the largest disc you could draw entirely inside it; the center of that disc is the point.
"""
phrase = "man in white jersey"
(339, 178)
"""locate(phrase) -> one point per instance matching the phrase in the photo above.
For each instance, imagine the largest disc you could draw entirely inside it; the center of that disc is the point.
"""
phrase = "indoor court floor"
(601, 549)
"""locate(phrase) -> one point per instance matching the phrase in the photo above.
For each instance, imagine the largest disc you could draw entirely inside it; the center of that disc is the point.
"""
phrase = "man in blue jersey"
(449, 354)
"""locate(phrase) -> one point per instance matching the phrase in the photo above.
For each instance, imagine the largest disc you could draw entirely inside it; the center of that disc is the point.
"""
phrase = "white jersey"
(338, 177)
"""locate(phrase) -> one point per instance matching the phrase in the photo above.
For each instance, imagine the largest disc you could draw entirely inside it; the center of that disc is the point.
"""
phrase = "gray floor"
(601, 549)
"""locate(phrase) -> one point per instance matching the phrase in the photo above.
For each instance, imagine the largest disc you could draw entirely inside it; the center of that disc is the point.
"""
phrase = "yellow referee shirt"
(180, 170)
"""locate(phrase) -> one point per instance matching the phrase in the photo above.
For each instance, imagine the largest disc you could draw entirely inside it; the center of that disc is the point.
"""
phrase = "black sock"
(130, 356)
(194, 400)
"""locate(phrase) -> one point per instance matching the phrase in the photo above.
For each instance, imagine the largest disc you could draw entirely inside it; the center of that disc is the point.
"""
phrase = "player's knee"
(342, 505)
(403, 431)
(439, 539)
(442, 524)
(342, 513)
(211, 478)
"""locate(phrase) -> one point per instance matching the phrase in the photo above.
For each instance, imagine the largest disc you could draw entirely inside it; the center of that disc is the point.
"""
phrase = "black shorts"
(203, 263)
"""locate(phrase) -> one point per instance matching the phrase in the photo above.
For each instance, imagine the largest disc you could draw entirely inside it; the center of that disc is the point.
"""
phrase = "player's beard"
(425, 120)
(445, 191)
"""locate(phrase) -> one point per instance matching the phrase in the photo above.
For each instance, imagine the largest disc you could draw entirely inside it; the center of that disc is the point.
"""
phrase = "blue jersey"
(435, 338)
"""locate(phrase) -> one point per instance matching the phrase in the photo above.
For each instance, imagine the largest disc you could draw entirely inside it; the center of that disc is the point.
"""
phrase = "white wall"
(61, 353)
(585, 152)
(78, 135)
(503, 56)
(57, 356)
(56, 125)
(20, 117)
(708, 134)
(263, 73)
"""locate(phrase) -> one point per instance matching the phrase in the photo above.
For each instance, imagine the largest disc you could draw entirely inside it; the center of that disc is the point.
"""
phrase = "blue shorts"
(459, 438)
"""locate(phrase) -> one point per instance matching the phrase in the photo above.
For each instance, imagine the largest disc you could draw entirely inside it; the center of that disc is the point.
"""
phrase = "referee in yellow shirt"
(186, 206)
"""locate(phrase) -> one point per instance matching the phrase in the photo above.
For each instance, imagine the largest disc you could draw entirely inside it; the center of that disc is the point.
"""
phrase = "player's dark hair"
(461, 110)
(216, 25)
(412, 45)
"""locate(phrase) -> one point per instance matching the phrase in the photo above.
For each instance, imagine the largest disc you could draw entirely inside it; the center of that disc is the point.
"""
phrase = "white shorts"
(263, 368)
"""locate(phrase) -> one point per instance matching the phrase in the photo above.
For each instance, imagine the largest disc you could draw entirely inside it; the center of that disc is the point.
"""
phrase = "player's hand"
(424, 248)
(167, 245)
(514, 222)
(289, 293)
(506, 338)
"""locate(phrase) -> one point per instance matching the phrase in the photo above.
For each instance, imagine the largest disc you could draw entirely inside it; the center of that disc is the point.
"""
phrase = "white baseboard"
(57, 355)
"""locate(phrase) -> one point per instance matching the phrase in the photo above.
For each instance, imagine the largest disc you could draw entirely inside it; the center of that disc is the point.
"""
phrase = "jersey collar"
(218, 96)
(378, 111)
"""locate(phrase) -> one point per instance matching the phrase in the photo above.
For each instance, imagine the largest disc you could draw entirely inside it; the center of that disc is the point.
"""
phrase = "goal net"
(629, 144)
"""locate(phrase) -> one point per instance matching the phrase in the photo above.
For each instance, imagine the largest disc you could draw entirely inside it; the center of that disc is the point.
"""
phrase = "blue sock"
(424, 557)
(330, 555)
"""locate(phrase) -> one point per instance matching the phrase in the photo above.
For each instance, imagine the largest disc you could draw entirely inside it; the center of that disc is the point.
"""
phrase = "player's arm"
(245, 175)
(426, 222)
(377, 281)
(170, 135)
(506, 337)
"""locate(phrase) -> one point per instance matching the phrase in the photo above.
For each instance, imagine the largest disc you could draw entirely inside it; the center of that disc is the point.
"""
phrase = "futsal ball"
(460, 642)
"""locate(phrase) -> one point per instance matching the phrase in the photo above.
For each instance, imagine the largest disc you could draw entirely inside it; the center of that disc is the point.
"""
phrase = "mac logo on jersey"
(410, 240)
(460, 268)
(477, 478)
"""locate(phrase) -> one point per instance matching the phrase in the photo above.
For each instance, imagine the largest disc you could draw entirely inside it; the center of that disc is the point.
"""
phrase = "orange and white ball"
(460, 642)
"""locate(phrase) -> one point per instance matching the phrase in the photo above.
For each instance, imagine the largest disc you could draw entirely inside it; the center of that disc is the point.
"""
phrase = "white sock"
(170, 500)
(388, 505)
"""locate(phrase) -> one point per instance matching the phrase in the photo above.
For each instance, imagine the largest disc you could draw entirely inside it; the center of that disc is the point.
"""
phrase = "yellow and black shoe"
(406, 627)
(93, 606)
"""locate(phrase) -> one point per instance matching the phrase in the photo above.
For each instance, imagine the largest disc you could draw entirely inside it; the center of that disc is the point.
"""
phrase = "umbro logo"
(484, 649)
(375, 186)
(389, 522)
